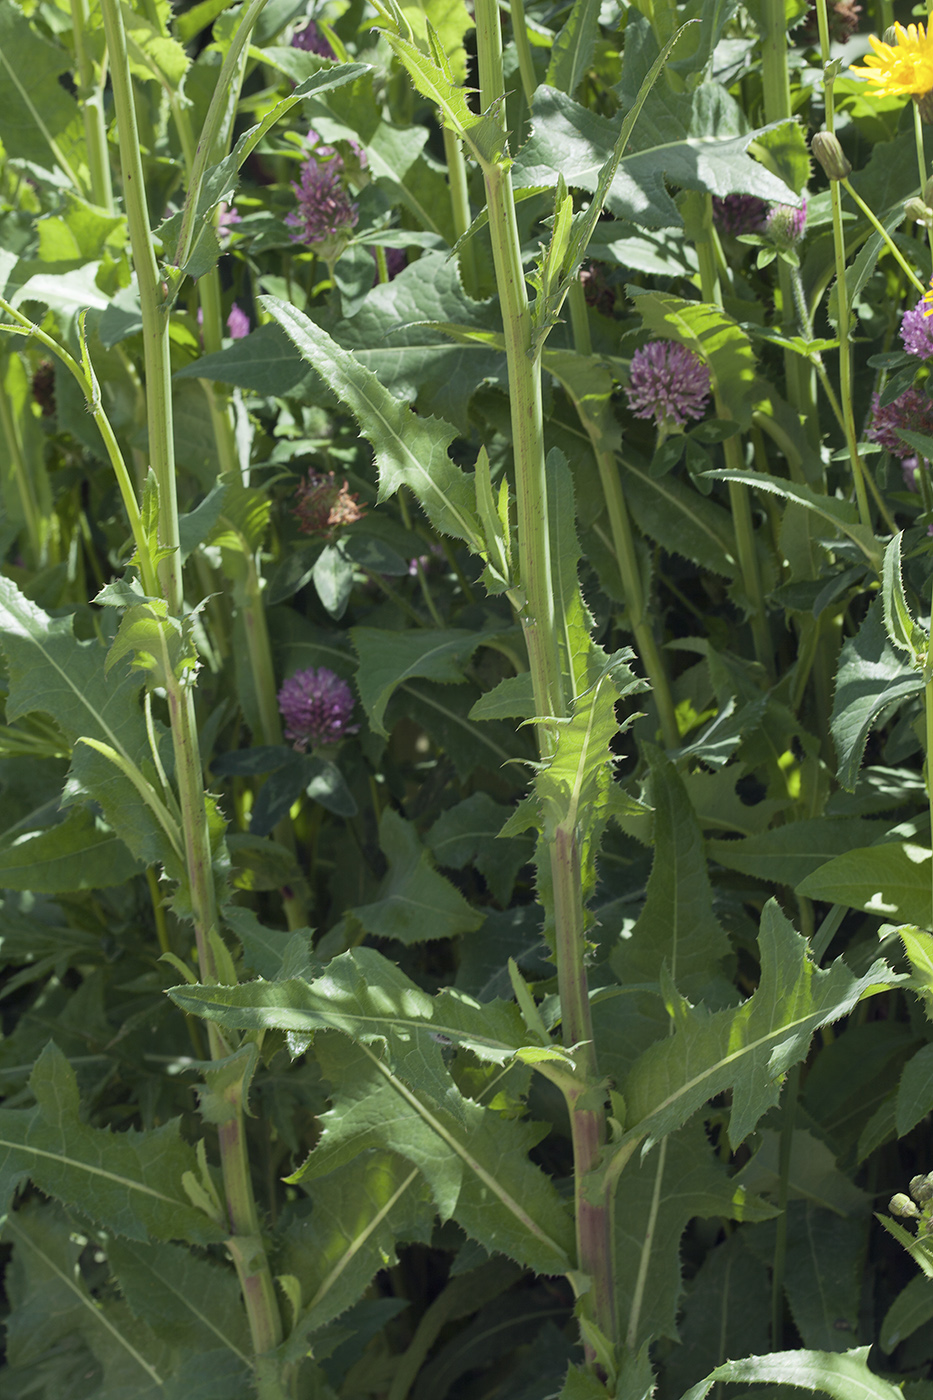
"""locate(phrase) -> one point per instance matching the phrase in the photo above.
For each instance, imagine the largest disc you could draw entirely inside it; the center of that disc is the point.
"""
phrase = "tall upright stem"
(91, 97)
(246, 1245)
(594, 1243)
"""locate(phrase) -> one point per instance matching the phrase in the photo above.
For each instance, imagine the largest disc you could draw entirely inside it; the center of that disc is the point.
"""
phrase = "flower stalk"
(246, 1245)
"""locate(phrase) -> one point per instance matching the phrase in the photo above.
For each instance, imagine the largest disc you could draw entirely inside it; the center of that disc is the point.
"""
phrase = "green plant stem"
(921, 162)
(698, 218)
(593, 1220)
(246, 1246)
(842, 291)
(526, 67)
(18, 469)
(893, 249)
(460, 207)
(785, 1153)
(91, 98)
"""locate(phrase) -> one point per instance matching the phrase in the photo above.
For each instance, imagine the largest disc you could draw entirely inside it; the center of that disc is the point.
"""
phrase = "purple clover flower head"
(668, 383)
(917, 330)
(325, 215)
(785, 225)
(912, 411)
(317, 707)
(227, 216)
(237, 323)
(740, 213)
(312, 41)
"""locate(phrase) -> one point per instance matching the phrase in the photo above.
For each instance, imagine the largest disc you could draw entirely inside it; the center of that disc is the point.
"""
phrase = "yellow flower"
(901, 69)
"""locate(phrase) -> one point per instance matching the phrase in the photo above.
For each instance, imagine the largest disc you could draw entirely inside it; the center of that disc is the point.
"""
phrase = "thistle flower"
(911, 411)
(237, 323)
(668, 383)
(917, 331)
(739, 213)
(321, 505)
(325, 215)
(317, 707)
(785, 225)
(904, 69)
(311, 40)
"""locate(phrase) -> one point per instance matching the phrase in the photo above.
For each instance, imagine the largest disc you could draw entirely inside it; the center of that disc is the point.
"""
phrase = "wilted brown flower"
(322, 506)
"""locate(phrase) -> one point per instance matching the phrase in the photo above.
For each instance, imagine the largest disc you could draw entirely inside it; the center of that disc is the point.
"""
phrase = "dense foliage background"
(369, 1033)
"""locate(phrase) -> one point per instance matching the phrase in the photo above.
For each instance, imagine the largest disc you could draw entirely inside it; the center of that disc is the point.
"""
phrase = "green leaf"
(680, 519)
(387, 659)
(911, 1309)
(53, 673)
(677, 927)
(572, 51)
(823, 1279)
(414, 903)
(568, 139)
(843, 1376)
(915, 1091)
(891, 880)
(469, 834)
(410, 451)
(39, 118)
(841, 515)
(264, 361)
(80, 853)
(360, 1214)
(786, 855)
(512, 698)
(129, 1182)
(872, 681)
(748, 1049)
(679, 1180)
(478, 1168)
(184, 1299)
(902, 631)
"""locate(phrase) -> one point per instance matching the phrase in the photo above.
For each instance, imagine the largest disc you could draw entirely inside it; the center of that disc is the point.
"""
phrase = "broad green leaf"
(388, 659)
(184, 1299)
(713, 335)
(915, 1091)
(823, 1278)
(264, 361)
(78, 854)
(368, 998)
(79, 235)
(570, 140)
(410, 451)
(469, 834)
(786, 855)
(871, 682)
(843, 1376)
(572, 52)
(414, 903)
(912, 1308)
(129, 1182)
(841, 515)
(812, 1174)
(512, 698)
(680, 519)
(39, 119)
(360, 1214)
(450, 20)
(476, 1162)
(52, 672)
(677, 927)
(658, 1197)
(266, 951)
(891, 880)
(748, 1049)
(445, 713)
(49, 1293)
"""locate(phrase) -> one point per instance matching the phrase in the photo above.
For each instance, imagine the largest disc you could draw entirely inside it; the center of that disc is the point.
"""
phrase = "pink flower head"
(227, 216)
(912, 411)
(668, 383)
(312, 41)
(740, 213)
(237, 323)
(917, 331)
(785, 225)
(325, 215)
(317, 707)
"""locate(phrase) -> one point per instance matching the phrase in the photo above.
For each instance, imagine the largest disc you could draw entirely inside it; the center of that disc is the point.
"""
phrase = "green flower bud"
(920, 1189)
(902, 1205)
(827, 150)
(919, 212)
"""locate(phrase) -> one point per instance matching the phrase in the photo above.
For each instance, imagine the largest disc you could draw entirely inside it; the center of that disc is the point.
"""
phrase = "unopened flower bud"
(890, 36)
(921, 1188)
(827, 150)
(785, 226)
(919, 212)
(902, 1205)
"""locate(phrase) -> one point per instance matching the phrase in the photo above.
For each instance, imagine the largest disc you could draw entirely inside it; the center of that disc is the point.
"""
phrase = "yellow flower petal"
(903, 69)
